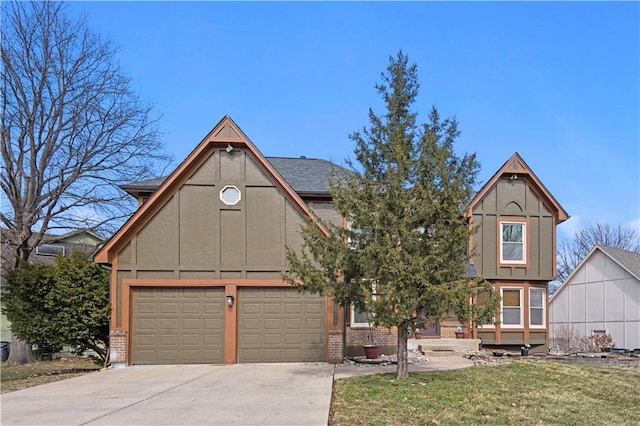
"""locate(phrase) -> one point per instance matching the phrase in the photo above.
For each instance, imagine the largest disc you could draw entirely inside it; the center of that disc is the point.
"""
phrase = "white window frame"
(543, 307)
(502, 323)
(357, 324)
(353, 311)
(230, 188)
(54, 246)
(523, 261)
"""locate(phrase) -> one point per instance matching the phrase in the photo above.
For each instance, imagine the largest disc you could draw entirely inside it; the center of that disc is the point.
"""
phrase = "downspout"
(344, 333)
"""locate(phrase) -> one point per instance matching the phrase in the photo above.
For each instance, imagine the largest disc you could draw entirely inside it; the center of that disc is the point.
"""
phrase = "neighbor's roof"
(627, 259)
(305, 175)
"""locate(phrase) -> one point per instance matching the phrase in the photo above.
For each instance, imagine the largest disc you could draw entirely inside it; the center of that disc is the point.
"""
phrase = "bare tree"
(572, 251)
(72, 128)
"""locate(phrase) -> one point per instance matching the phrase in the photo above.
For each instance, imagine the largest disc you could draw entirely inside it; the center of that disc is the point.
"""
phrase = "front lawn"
(16, 377)
(523, 392)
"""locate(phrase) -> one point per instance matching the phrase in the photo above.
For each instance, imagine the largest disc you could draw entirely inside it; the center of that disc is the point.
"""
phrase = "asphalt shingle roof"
(304, 175)
(627, 259)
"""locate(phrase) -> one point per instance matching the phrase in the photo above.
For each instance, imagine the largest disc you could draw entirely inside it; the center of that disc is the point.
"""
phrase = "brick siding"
(118, 347)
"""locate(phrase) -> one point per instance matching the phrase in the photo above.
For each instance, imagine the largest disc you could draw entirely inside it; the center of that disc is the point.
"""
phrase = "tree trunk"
(20, 352)
(402, 371)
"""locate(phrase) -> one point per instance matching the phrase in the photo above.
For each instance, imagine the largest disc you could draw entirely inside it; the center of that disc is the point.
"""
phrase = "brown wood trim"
(231, 326)
(197, 282)
(113, 298)
(561, 214)
(126, 320)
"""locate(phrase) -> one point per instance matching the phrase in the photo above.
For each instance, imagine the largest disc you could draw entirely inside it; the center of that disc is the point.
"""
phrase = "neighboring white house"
(601, 296)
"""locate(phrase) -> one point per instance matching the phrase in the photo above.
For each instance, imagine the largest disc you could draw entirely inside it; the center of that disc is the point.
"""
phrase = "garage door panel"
(191, 308)
(169, 308)
(272, 308)
(293, 323)
(147, 307)
(146, 324)
(169, 324)
(191, 324)
(296, 339)
(178, 325)
(213, 324)
(168, 340)
(274, 326)
(293, 308)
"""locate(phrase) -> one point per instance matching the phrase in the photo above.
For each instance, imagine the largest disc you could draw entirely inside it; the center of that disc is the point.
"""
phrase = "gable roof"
(307, 176)
(516, 166)
(79, 236)
(627, 260)
(225, 135)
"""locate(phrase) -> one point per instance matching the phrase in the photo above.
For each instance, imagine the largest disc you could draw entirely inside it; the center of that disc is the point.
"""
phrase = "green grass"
(523, 392)
(16, 377)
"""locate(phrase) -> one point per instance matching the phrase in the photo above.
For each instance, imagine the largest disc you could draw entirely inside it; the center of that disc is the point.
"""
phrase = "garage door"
(178, 325)
(280, 325)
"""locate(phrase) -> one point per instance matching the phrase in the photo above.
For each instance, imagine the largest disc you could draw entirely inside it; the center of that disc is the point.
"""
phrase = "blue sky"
(558, 82)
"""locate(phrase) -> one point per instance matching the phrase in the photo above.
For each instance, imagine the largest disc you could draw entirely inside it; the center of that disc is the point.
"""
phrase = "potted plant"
(371, 349)
(417, 334)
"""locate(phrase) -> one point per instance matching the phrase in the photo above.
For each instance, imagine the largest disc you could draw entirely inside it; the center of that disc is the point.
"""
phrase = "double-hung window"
(363, 318)
(511, 308)
(537, 304)
(513, 243)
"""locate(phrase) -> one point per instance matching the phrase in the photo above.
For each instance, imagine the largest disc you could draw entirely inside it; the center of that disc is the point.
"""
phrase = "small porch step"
(443, 347)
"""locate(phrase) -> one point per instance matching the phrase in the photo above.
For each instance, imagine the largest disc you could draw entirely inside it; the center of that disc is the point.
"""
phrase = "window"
(536, 307)
(50, 250)
(230, 195)
(513, 242)
(481, 300)
(511, 307)
(360, 319)
(363, 318)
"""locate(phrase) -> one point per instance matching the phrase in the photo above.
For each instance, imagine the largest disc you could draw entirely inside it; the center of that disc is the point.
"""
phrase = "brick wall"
(335, 346)
(358, 336)
(118, 347)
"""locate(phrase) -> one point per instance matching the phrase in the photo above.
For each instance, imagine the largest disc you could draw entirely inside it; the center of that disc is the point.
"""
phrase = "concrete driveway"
(245, 394)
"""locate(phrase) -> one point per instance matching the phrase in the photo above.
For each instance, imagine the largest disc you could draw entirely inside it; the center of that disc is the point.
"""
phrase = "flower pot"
(371, 351)
(459, 335)
(418, 335)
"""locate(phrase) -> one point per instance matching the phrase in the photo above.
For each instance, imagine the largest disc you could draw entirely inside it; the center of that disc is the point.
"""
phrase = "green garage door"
(280, 325)
(178, 325)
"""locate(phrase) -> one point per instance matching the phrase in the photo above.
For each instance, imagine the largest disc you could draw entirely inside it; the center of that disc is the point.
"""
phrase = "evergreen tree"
(56, 305)
(406, 246)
